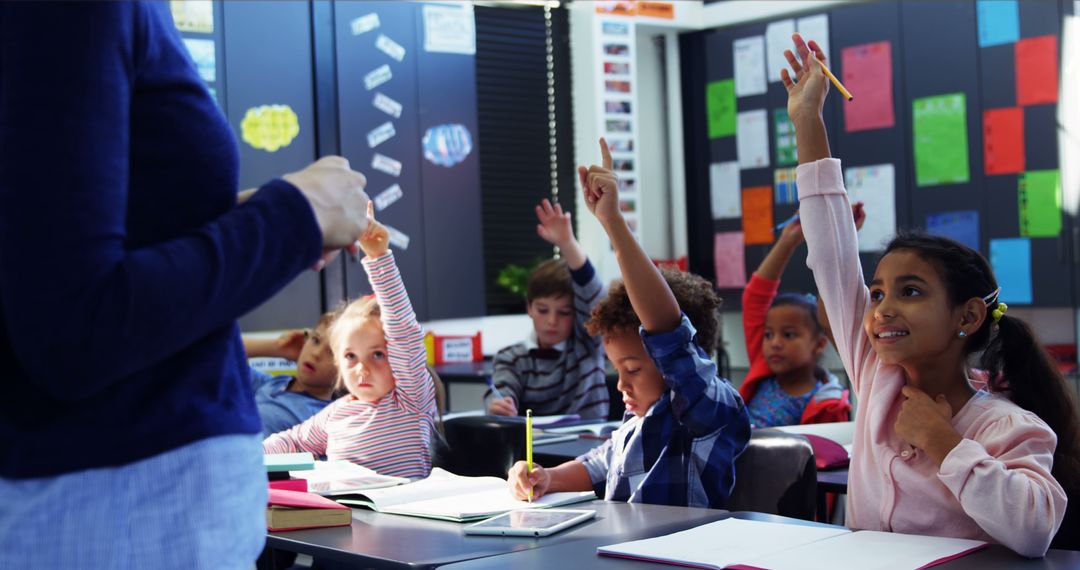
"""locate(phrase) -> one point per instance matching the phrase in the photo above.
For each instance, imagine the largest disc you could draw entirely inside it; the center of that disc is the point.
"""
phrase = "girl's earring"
(961, 334)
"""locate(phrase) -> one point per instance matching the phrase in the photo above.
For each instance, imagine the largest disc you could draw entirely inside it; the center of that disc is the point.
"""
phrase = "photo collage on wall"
(195, 21)
(618, 110)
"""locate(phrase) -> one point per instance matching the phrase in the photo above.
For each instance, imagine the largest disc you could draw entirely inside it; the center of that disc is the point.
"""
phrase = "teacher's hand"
(336, 195)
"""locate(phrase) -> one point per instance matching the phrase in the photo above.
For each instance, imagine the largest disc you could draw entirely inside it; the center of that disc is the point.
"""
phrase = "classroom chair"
(776, 475)
(483, 445)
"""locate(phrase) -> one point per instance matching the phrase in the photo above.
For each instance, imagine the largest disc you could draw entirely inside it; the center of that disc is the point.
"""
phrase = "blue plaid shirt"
(682, 451)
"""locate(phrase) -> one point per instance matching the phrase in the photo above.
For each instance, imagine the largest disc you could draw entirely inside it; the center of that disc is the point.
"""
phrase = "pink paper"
(729, 253)
(867, 75)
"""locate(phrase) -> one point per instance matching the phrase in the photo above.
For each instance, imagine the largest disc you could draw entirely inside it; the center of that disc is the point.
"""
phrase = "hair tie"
(999, 312)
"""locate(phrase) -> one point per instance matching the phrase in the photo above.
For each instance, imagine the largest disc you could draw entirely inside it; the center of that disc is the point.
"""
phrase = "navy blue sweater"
(124, 259)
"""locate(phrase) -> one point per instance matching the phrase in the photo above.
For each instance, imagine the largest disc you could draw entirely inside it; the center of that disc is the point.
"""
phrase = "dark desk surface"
(582, 554)
(392, 541)
(465, 371)
(833, 481)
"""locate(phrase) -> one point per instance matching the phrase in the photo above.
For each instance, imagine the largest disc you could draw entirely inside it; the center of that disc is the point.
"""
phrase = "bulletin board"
(943, 135)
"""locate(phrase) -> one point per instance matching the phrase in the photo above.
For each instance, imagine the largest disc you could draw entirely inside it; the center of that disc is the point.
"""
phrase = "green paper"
(786, 153)
(720, 107)
(941, 145)
(1039, 196)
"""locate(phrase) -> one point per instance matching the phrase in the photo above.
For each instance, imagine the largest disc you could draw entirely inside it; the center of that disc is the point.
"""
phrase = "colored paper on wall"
(815, 28)
(875, 187)
(269, 127)
(867, 70)
(752, 139)
(749, 54)
(962, 226)
(941, 145)
(720, 108)
(729, 256)
(204, 55)
(1039, 200)
(1011, 260)
(757, 215)
(725, 190)
(786, 153)
(450, 28)
(193, 15)
(1003, 140)
(777, 39)
(1036, 70)
(784, 189)
(999, 22)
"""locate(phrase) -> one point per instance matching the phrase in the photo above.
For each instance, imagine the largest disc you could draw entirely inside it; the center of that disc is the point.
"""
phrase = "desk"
(832, 481)
(582, 554)
(474, 373)
(392, 541)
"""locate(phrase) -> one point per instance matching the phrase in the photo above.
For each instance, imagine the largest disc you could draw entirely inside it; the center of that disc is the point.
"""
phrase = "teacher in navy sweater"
(129, 436)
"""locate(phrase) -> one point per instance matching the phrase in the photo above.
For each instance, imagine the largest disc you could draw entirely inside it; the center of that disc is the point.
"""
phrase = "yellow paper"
(269, 127)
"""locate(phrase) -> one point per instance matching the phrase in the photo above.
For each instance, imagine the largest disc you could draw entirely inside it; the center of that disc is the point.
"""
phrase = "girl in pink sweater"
(932, 455)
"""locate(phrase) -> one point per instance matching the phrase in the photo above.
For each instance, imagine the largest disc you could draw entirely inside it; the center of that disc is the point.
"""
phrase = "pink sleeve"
(1003, 482)
(310, 435)
(404, 337)
(833, 256)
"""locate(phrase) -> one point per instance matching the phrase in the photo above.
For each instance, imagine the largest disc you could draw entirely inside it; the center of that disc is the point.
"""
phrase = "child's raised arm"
(649, 294)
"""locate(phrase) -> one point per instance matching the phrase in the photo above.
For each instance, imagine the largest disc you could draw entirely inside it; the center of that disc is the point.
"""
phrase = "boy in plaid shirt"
(686, 425)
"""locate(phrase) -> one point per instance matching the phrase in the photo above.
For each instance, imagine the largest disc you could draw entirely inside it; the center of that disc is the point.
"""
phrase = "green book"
(278, 462)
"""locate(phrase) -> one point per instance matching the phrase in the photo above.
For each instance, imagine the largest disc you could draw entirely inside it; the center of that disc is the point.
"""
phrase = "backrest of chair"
(776, 475)
(483, 445)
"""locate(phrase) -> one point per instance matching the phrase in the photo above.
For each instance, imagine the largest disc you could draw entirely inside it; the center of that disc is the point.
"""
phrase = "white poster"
(752, 139)
(390, 47)
(364, 24)
(816, 28)
(778, 39)
(725, 190)
(449, 28)
(875, 187)
(749, 66)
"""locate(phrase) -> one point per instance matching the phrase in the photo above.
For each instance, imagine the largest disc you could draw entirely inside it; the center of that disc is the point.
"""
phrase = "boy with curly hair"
(688, 425)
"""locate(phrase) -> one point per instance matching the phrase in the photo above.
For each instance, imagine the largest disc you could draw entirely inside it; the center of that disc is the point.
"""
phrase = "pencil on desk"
(834, 80)
(528, 447)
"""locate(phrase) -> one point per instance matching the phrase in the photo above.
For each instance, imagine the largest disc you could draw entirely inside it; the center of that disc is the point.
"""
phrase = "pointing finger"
(605, 153)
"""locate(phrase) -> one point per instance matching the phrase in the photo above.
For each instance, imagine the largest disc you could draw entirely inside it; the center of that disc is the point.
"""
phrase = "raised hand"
(376, 240)
(601, 187)
(807, 90)
(859, 214)
(554, 226)
(290, 344)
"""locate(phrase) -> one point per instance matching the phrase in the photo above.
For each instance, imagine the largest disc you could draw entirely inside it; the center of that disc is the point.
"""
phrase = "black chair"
(483, 445)
(776, 474)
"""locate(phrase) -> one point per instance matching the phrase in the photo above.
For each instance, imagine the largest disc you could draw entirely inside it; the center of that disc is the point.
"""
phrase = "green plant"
(515, 277)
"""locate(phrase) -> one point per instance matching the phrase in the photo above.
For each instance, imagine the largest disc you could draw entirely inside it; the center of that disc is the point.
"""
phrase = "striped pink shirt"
(995, 485)
(391, 436)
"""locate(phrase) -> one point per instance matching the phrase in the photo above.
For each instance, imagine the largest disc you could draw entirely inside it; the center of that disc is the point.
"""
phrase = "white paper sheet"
(778, 39)
(749, 66)
(875, 187)
(752, 138)
(725, 190)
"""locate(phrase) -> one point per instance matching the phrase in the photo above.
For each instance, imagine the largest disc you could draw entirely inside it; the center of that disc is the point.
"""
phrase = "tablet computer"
(530, 522)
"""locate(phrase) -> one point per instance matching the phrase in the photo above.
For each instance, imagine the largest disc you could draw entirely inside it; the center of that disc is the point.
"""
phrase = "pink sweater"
(391, 436)
(995, 485)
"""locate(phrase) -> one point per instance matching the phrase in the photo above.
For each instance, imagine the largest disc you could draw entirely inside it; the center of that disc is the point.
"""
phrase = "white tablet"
(530, 522)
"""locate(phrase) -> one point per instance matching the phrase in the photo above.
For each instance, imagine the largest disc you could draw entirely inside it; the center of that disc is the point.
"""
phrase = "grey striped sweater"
(568, 381)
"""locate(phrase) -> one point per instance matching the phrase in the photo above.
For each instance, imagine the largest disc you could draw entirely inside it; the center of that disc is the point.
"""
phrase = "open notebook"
(451, 497)
(330, 478)
(735, 543)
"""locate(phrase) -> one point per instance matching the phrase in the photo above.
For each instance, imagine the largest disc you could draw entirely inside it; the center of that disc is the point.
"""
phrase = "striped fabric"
(391, 436)
(567, 381)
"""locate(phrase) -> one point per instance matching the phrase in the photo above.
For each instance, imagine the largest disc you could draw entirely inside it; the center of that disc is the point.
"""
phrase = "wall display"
(867, 70)
(757, 215)
(1003, 140)
(875, 187)
(725, 190)
(962, 226)
(752, 139)
(720, 108)
(940, 136)
(269, 127)
(615, 41)
(749, 66)
(1011, 260)
(196, 16)
(1039, 202)
(999, 22)
(728, 252)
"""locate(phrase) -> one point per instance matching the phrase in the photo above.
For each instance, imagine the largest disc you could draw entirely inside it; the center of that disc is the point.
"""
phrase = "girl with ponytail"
(932, 454)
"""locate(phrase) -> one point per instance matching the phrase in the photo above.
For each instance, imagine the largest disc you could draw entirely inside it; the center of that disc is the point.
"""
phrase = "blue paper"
(962, 226)
(1011, 260)
(999, 22)
(447, 145)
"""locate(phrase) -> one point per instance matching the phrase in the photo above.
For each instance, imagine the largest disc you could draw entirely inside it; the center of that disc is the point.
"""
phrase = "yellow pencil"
(835, 81)
(528, 445)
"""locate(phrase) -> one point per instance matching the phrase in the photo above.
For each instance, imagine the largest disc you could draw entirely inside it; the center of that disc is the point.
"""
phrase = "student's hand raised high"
(601, 187)
(376, 240)
(807, 90)
(521, 480)
(555, 225)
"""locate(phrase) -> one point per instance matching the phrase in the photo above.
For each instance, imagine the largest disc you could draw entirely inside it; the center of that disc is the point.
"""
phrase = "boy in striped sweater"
(386, 420)
(560, 369)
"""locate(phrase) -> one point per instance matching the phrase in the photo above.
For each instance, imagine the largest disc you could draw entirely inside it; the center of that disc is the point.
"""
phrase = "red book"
(290, 485)
(294, 510)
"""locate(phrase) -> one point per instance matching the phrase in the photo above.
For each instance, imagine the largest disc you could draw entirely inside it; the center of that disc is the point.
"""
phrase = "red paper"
(1003, 140)
(867, 74)
(1036, 71)
(757, 218)
(286, 498)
